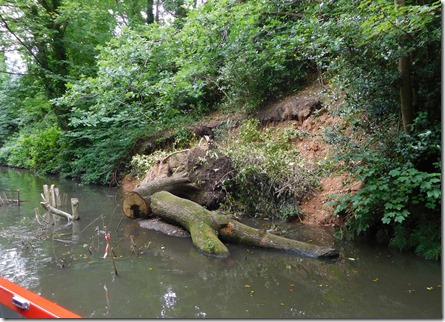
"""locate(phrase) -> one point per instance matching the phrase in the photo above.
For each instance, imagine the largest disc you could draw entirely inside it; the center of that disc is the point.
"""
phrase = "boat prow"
(28, 304)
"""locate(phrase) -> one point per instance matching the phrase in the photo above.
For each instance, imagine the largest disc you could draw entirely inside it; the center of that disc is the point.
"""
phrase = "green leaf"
(399, 219)
(386, 220)
(395, 173)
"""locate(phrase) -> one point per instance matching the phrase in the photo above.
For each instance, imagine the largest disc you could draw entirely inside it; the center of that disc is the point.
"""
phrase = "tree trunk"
(205, 226)
(202, 224)
(406, 87)
(136, 203)
(406, 93)
(157, 10)
(149, 11)
(242, 234)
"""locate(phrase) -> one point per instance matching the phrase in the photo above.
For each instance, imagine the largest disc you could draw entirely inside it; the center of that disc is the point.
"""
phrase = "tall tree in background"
(134, 12)
(8, 119)
(406, 88)
(149, 12)
(56, 40)
(35, 31)
(175, 7)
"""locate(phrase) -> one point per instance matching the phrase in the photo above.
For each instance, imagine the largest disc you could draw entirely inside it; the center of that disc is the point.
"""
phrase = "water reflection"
(13, 264)
(199, 313)
(168, 303)
(107, 307)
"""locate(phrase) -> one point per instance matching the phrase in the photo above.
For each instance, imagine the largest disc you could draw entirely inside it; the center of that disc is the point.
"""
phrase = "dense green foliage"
(400, 198)
(156, 77)
(103, 78)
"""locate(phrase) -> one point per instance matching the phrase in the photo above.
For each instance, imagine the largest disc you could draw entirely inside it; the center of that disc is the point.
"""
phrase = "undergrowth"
(272, 178)
(400, 199)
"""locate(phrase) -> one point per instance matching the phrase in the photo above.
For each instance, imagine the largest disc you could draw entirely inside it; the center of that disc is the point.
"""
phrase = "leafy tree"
(156, 75)
(9, 120)
(134, 12)
(47, 34)
(175, 8)
(408, 26)
(355, 45)
(59, 41)
(399, 201)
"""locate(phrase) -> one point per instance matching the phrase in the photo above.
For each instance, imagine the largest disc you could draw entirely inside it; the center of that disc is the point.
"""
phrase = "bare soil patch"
(314, 148)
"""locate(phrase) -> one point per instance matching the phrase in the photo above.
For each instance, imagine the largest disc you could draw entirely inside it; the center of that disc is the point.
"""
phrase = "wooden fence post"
(46, 195)
(75, 208)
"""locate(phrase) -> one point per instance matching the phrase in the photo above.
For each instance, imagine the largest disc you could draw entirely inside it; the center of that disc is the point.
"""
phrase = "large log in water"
(202, 224)
(136, 203)
(206, 227)
(239, 233)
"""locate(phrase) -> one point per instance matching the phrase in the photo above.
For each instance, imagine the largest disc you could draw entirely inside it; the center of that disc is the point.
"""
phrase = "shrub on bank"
(271, 176)
(400, 200)
(36, 149)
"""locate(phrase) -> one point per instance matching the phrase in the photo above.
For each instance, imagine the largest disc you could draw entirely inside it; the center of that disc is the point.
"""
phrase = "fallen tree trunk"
(202, 224)
(206, 227)
(137, 202)
(237, 232)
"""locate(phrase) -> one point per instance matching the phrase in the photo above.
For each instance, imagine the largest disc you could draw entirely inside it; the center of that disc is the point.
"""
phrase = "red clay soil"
(313, 148)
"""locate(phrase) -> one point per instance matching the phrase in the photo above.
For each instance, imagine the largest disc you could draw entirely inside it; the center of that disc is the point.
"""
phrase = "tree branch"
(19, 39)
(12, 73)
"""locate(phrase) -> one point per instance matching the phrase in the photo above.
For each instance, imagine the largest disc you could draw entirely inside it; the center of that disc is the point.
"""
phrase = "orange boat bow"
(29, 304)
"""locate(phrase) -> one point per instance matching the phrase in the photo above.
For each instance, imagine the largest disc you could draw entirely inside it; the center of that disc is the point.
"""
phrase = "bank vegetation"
(104, 87)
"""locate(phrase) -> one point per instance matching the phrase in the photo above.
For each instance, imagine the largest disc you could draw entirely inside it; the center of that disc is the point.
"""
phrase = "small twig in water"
(120, 222)
(114, 263)
(133, 246)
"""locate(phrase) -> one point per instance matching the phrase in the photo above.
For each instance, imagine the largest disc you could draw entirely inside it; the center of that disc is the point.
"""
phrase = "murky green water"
(168, 277)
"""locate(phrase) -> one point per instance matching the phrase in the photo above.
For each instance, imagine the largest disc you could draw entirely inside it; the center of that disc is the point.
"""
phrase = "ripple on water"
(21, 256)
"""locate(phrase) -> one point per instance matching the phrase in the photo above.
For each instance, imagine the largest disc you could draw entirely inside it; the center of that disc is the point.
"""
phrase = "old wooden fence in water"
(9, 197)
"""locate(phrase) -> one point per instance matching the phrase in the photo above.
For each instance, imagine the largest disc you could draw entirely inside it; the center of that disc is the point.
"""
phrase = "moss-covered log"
(206, 227)
(237, 232)
(136, 203)
(202, 224)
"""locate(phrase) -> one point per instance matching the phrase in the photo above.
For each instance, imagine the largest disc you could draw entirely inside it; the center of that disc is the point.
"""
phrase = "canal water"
(159, 276)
